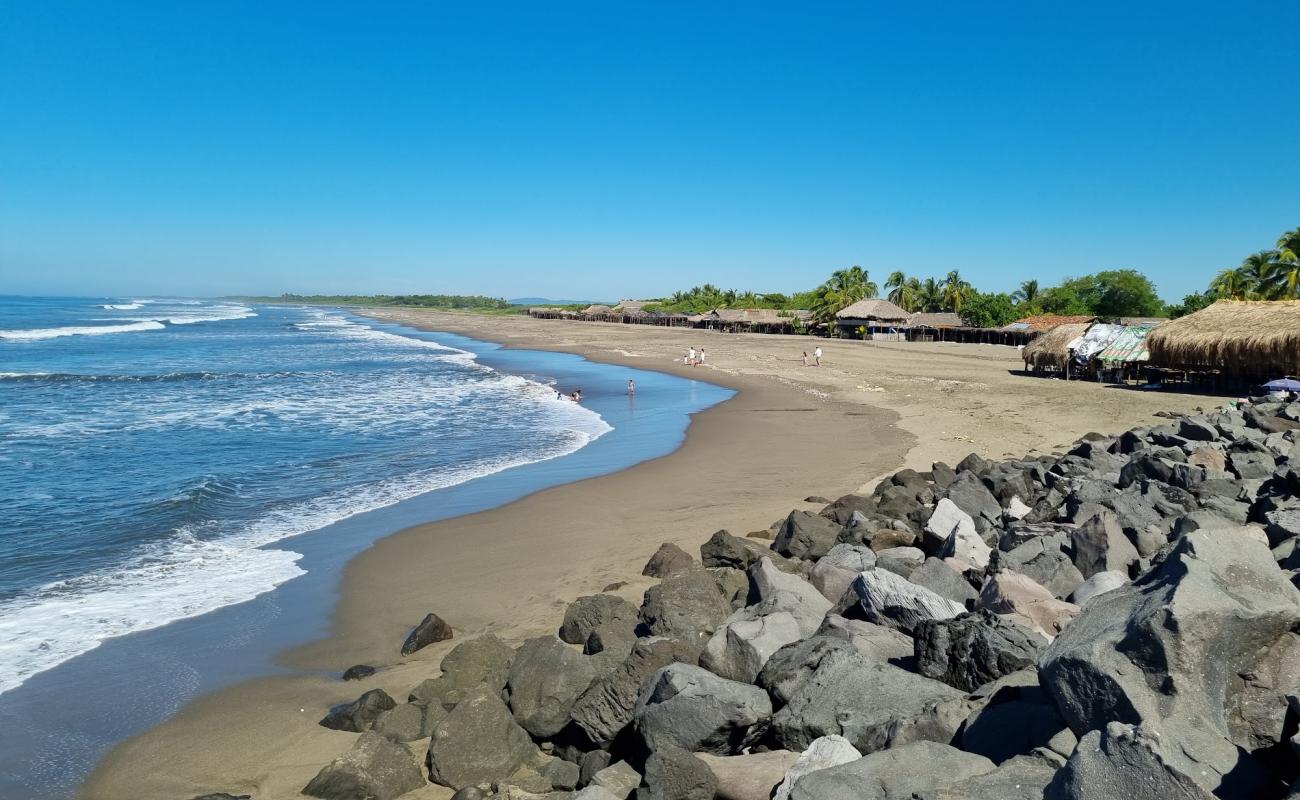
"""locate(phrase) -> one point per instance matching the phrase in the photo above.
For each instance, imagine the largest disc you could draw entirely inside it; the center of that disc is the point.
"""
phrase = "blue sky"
(600, 150)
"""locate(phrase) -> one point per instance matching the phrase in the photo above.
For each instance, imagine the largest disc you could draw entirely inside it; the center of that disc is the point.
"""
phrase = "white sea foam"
(80, 330)
(219, 313)
(198, 570)
(123, 306)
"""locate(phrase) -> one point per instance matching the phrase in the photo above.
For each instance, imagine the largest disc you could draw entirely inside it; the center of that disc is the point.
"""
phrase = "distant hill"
(544, 301)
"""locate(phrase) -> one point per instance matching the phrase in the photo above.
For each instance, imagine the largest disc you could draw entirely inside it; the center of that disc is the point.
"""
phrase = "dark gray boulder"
(970, 494)
(586, 614)
(407, 722)
(689, 606)
(691, 708)
(675, 774)
(806, 535)
(375, 768)
(1168, 650)
(1100, 545)
(605, 708)
(943, 580)
(1123, 761)
(1047, 560)
(725, 550)
(483, 661)
(968, 651)
(915, 770)
(1016, 720)
(358, 672)
(789, 668)
(873, 705)
(1020, 778)
(887, 599)
(431, 629)
(667, 561)
(545, 679)
(478, 742)
(359, 715)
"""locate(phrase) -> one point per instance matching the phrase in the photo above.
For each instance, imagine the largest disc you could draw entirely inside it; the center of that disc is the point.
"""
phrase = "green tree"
(1288, 260)
(1191, 303)
(929, 296)
(1027, 293)
(1124, 293)
(844, 288)
(902, 290)
(955, 291)
(982, 310)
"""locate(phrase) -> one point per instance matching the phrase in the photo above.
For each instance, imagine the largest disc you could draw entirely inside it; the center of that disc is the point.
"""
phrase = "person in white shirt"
(817, 356)
(690, 356)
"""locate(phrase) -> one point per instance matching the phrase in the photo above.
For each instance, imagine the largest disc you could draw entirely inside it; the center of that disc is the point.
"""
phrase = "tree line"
(447, 301)
(1266, 275)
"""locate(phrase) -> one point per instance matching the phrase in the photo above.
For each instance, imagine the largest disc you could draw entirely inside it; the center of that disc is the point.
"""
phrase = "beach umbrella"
(1283, 385)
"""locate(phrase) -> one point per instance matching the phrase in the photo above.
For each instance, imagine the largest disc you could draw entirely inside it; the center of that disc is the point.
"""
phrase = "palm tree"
(1027, 293)
(1261, 274)
(902, 290)
(844, 288)
(1232, 284)
(929, 295)
(1288, 261)
(955, 291)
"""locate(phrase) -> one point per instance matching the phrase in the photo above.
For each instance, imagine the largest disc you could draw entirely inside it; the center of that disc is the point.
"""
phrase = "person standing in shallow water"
(631, 386)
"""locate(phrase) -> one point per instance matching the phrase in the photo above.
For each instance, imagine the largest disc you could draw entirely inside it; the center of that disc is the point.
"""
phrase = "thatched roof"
(1239, 337)
(1052, 349)
(631, 306)
(926, 319)
(881, 310)
(597, 309)
(752, 316)
(1045, 322)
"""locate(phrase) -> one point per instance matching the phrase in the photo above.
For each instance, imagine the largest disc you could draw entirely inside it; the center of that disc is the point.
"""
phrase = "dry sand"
(792, 431)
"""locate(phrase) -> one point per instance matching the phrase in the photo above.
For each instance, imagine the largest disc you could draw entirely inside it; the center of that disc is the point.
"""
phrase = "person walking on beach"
(805, 358)
(817, 356)
(690, 357)
(700, 360)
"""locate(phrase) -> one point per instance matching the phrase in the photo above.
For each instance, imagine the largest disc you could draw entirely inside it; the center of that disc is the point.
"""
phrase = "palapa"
(1237, 337)
(1052, 349)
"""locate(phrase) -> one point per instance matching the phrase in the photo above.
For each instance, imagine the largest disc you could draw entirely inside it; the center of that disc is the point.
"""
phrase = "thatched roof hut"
(597, 309)
(865, 311)
(1052, 349)
(1045, 322)
(1246, 338)
(933, 319)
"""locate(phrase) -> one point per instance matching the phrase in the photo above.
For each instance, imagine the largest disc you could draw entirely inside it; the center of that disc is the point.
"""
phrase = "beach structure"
(1126, 354)
(880, 319)
(753, 320)
(926, 326)
(1050, 352)
(1243, 340)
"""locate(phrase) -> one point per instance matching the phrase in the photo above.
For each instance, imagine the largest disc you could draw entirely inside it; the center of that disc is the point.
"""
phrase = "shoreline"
(786, 434)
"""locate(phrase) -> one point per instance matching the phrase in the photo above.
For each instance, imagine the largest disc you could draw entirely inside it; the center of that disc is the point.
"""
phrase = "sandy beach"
(791, 431)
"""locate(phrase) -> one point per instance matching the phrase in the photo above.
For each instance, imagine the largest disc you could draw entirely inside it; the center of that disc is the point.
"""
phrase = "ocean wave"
(35, 334)
(188, 575)
(165, 377)
(123, 306)
(212, 314)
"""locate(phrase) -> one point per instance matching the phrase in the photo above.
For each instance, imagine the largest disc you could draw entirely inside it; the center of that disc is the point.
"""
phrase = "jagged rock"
(966, 546)
(619, 779)
(1016, 509)
(790, 667)
(406, 722)
(823, 753)
(1166, 652)
(946, 519)
(478, 742)
(1122, 761)
(690, 606)
(431, 629)
(744, 643)
(1016, 720)
(970, 650)
(606, 637)
(1020, 778)
(725, 550)
(934, 574)
(481, 661)
(1100, 583)
(596, 793)
(1045, 561)
(806, 535)
(667, 561)
(1206, 458)
(674, 774)
(606, 707)
(833, 574)
(586, 614)
(1250, 465)
(734, 584)
(970, 494)
(545, 679)
(750, 776)
(943, 474)
(875, 642)
(691, 708)
(358, 672)
(872, 705)
(374, 769)
(902, 561)
(913, 770)
(359, 715)
(562, 775)
(1012, 593)
(973, 463)
(883, 540)
(889, 600)
(592, 762)
(776, 589)
(1101, 546)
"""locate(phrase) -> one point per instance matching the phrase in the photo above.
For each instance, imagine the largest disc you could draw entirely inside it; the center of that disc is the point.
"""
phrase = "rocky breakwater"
(1117, 621)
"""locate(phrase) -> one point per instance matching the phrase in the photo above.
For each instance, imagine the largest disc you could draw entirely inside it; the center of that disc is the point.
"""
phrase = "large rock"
(875, 642)
(1167, 652)
(914, 770)
(902, 561)
(360, 714)
(1044, 560)
(586, 614)
(689, 606)
(407, 722)
(873, 705)
(675, 774)
(970, 494)
(484, 661)
(1012, 593)
(545, 680)
(375, 768)
(781, 591)
(431, 629)
(725, 550)
(968, 651)
(478, 742)
(667, 561)
(835, 572)
(937, 576)
(751, 776)
(1021, 778)
(1016, 720)
(1101, 546)
(967, 547)
(619, 779)
(888, 599)
(806, 535)
(606, 707)
(691, 708)
(792, 666)
(744, 643)
(823, 753)
(1123, 761)
(1098, 584)
(946, 520)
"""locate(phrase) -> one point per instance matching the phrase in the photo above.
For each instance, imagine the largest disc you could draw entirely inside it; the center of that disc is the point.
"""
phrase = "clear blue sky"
(606, 149)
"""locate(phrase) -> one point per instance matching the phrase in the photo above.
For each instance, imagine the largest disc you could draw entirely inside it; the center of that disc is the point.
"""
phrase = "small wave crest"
(165, 377)
(35, 334)
(122, 306)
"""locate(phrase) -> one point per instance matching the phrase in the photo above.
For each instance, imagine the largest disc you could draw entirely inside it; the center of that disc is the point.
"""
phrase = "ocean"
(186, 479)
